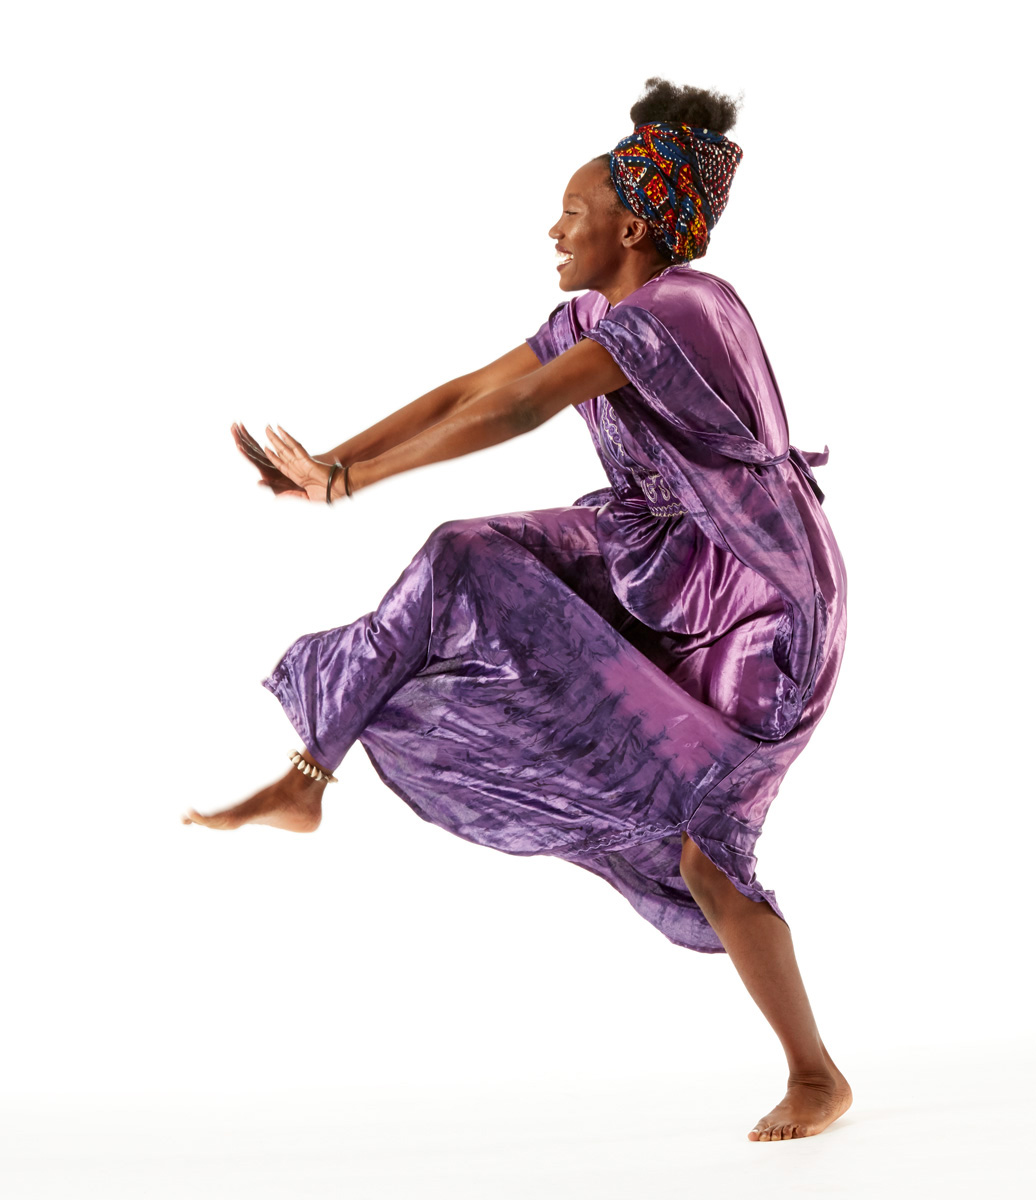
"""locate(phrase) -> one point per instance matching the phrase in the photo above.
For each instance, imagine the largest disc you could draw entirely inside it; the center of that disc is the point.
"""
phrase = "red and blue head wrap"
(677, 178)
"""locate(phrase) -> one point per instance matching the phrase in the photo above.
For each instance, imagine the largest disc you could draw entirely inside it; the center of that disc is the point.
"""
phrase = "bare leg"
(759, 945)
(292, 803)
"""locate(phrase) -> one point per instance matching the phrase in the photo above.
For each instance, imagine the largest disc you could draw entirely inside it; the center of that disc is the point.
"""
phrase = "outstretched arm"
(433, 407)
(517, 407)
(305, 471)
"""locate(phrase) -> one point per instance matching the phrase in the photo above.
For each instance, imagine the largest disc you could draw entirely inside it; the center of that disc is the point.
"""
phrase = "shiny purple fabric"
(590, 681)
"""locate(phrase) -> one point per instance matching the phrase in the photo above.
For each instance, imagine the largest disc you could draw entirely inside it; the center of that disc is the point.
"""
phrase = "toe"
(193, 817)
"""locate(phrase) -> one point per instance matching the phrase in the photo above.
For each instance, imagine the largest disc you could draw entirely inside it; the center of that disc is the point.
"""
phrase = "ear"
(636, 231)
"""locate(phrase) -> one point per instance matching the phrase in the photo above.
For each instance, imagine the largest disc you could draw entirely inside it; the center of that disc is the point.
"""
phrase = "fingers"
(249, 447)
(248, 439)
(255, 456)
(286, 445)
(278, 464)
(278, 448)
(291, 442)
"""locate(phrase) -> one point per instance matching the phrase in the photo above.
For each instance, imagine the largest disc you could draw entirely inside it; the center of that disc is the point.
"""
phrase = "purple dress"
(593, 680)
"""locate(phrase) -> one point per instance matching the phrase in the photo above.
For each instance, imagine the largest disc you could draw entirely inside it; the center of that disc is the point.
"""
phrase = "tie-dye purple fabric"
(590, 681)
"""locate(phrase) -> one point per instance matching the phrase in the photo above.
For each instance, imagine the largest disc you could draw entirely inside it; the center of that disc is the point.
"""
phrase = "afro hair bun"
(665, 102)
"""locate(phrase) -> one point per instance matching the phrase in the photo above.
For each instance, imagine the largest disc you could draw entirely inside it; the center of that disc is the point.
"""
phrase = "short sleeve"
(542, 341)
(569, 322)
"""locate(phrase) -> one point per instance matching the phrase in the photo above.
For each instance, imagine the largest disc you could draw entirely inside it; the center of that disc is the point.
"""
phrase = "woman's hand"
(290, 458)
(286, 469)
(272, 478)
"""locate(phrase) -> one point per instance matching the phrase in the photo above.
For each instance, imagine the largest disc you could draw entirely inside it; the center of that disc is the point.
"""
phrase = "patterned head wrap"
(677, 178)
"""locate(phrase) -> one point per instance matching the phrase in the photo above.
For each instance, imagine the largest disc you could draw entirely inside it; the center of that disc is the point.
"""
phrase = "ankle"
(814, 1075)
(300, 776)
(811, 1064)
(303, 787)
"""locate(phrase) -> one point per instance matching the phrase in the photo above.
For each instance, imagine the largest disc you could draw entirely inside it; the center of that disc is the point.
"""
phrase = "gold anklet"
(310, 769)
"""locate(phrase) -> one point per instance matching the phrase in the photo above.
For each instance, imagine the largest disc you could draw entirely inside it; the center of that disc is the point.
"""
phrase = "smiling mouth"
(562, 258)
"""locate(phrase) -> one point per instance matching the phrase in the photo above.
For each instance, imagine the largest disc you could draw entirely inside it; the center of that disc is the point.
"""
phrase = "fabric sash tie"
(749, 450)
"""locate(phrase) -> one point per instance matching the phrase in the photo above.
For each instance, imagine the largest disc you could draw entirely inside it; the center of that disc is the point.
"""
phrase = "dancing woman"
(622, 682)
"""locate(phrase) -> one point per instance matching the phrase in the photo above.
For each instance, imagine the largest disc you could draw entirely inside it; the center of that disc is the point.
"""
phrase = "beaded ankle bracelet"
(310, 769)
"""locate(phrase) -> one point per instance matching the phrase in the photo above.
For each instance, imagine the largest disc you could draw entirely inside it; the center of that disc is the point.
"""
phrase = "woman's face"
(594, 230)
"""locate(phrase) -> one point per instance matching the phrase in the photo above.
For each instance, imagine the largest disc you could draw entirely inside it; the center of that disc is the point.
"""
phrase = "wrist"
(315, 483)
(338, 491)
(362, 474)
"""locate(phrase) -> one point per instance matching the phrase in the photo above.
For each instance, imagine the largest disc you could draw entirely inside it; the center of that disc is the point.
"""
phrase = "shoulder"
(587, 310)
(683, 291)
(700, 312)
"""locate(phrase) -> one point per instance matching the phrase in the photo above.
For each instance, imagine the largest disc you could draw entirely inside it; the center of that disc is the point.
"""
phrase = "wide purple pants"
(503, 692)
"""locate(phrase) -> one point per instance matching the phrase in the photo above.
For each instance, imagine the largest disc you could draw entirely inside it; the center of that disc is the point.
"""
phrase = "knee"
(457, 536)
(705, 881)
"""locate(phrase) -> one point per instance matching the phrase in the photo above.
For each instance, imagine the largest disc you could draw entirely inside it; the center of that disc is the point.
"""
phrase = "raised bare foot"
(292, 803)
(811, 1103)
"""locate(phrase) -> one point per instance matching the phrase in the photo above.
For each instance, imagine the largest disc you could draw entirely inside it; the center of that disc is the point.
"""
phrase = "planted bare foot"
(292, 803)
(811, 1103)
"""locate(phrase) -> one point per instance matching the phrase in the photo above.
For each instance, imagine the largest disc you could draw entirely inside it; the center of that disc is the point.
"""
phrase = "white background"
(311, 214)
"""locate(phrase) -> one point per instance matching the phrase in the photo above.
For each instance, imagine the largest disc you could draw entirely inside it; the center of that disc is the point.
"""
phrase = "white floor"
(954, 1124)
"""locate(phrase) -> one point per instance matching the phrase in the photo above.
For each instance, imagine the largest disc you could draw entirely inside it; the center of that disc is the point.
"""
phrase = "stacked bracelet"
(310, 769)
(331, 474)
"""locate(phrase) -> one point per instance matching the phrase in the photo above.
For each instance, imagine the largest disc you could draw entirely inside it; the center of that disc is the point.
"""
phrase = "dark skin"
(612, 253)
